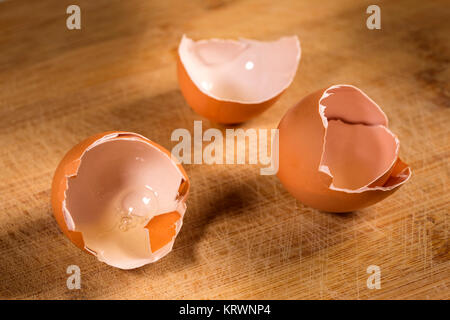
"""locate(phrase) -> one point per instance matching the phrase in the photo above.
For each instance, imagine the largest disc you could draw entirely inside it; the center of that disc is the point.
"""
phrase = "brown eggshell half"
(229, 81)
(336, 152)
(91, 175)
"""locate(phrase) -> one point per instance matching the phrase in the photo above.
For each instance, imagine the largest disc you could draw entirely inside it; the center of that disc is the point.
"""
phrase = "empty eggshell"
(120, 197)
(230, 81)
(336, 152)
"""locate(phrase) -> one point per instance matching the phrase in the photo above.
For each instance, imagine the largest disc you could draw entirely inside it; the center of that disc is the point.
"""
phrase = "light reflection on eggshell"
(229, 81)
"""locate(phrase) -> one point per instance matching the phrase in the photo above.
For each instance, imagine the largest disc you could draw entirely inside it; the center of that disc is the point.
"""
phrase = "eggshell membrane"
(231, 81)
(77, 172)
(336, 153)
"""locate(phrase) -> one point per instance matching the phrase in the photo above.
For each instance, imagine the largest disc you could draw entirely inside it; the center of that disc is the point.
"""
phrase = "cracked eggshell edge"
(221, 110)
(316, 192)
(68, 167)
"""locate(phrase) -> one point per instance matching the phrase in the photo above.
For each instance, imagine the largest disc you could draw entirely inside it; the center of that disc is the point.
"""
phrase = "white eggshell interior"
(244, 71)
(113, 176)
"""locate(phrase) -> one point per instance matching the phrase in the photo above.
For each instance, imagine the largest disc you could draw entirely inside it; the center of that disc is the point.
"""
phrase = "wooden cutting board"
(244, 236)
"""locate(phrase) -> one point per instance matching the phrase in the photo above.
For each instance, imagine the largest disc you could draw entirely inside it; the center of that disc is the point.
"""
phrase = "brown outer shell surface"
(69, 167)
(301, 138)
(219, 111)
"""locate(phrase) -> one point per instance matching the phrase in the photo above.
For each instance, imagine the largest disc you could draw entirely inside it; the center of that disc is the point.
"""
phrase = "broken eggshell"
(336, 152)
(120, 197)
(230, 81)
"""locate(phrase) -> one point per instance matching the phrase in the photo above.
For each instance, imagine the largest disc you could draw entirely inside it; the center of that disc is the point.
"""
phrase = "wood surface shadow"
(35, 256)
(203, 210)
(156, 117)
(246, 204)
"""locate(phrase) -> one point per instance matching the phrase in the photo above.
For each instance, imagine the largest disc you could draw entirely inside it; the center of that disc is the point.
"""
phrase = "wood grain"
(244, 236)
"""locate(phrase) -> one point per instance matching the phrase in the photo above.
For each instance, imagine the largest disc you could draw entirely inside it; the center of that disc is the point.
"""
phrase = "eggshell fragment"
(336, 152)
(120, 197)
(230, 81)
